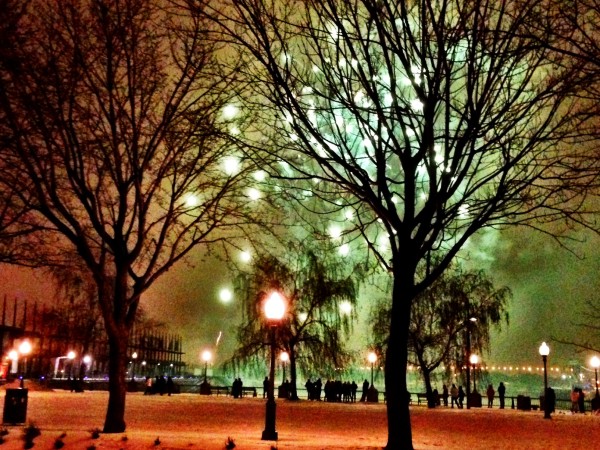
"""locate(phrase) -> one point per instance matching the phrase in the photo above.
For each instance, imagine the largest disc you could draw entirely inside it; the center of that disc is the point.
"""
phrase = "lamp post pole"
(274, 309)
(544, 352)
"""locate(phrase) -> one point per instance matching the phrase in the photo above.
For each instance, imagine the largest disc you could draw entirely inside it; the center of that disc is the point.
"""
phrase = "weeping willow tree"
(426, 120)
(321, 293)
(450, 319)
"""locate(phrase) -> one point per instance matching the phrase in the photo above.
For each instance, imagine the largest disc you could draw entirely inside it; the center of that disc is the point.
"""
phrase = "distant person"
(170, 386)
(354, 388)
(461, 397)
(445, 394)
(574, 401)
(436, 398)
(148, 390)
(453, 396)
(551, 399)
(581, 401)
(365, 389)
(490, 395)
(265, 387)
(501, 393)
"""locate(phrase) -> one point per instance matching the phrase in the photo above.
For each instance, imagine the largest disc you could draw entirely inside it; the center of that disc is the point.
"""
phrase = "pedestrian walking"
(490, 395)
(454, 396)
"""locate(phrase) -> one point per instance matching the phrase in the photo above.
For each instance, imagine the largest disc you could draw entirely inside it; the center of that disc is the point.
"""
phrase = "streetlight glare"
(284, 356)
(13, 355)
(25, 348)
(474, 359)
(206, 355)
(226, 295)
(71, 355)
(544, 349)
(372, 357)
(275, 306)
(87, 359)
(245, 256)
(595, 362)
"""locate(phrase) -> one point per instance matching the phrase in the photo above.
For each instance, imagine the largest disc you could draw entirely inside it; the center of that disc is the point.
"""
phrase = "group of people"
(236, 388)
(457, 395)
(335, 390)
(159, 385)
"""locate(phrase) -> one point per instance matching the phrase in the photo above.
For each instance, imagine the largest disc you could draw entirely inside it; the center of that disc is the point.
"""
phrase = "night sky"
(549, 286)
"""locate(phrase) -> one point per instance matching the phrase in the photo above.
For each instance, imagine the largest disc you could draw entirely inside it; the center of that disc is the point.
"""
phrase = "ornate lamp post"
(87, 361)
(544, 352)
(274, 309)
(595, 363)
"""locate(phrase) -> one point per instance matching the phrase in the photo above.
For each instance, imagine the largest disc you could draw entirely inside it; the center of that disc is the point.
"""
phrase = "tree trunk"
(117, 386)
(431, 402)
(293, 388)
(398, 414)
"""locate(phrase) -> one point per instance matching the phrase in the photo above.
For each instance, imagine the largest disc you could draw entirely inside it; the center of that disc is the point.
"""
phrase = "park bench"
(219, 390)
(248, 390)
(422, 397)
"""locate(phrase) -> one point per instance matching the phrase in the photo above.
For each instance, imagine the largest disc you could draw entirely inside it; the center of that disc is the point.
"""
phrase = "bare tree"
(429, 120)
(114, 118)
(321, 293)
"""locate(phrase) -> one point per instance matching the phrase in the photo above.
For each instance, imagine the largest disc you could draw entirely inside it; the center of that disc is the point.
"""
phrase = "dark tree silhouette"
(429, 119)
(114, 113)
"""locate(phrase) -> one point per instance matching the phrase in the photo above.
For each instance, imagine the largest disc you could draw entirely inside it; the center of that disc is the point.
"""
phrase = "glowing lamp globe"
(13, 355)
(87, 359)
(474, 359)
(206, 355)
(285, 357)
(544, 349)
(25, 348)
(274, 307)
(372, 357)
(595, 362)
(71, 355)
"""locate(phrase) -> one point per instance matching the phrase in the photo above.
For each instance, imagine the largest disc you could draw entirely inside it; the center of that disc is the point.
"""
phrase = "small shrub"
(156, 441)
(59, 443)
(124, 438)
(95, 432)
(229, 443)
(3, 432)
(91, 447)
(30, 432)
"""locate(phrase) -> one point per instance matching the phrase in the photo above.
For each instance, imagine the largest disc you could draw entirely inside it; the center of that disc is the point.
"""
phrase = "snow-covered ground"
(191, 421)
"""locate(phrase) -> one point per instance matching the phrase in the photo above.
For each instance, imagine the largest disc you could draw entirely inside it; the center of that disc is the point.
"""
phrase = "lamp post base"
(269, 433)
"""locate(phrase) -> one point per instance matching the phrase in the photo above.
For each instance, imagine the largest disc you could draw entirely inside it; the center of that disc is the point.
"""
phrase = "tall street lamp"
(544, 352)
(134, 356)
(372, 358)
(274, 309)
(595, 362)
(24, 349)
(284, 357)
(372, 393)
(205, 386)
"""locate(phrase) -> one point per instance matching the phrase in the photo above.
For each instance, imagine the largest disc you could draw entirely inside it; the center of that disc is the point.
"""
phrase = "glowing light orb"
(191, 201)
(231, 165)
(345, 307)
(344, 249)
(245, 256)
(372, 357)
(230, 111)
(254, 194)
(225, 295)
(335, 232)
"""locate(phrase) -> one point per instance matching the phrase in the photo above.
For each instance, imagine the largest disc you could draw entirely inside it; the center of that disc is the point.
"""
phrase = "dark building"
(68, 342)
